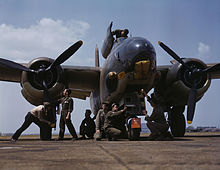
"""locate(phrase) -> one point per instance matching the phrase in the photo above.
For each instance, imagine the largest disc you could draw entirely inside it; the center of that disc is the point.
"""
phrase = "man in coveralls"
(87, 127)
(100, 119)
(65, 118)
(115, 123)
(156, 122)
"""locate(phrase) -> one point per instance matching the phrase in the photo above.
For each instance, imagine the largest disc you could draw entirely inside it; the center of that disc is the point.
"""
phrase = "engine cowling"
(32, 88)
(178, 82)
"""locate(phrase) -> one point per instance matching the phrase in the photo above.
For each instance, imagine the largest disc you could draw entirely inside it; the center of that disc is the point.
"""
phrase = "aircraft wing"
(9, 74)
(81, 80)
(214, 75)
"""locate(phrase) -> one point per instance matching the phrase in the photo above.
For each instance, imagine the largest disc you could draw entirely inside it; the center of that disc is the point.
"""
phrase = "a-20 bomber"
(129, 67)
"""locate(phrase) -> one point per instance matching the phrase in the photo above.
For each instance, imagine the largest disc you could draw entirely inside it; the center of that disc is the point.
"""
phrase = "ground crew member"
(156, 122)
(100, 119)
(65, 118)
(115, 123)
(36, 115)
(87, 127)
(120, 33)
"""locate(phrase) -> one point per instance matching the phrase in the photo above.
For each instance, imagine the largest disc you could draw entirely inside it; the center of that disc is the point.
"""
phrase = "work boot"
(168, 136)
(98, 139)
(13, 140)
(152, 136)
(165, 136)
(83, 137)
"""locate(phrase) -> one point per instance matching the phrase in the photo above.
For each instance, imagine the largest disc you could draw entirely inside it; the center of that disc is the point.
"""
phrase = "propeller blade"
(191, 104)
(174, 55)
(66, 54)
(46, 93)
(14, 65)
(213, 68)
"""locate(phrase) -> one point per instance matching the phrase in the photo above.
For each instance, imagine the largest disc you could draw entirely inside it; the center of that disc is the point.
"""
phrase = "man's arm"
(70, 108)
(97, 121)
(83, 123)
(40, 117)
(118, 112)
(45, 121)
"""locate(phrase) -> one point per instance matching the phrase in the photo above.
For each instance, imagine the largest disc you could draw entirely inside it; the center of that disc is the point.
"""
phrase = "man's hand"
(144, 112)
(52, 125)
(143, 92)
(98, 131)
(68, 115)
(124, 109)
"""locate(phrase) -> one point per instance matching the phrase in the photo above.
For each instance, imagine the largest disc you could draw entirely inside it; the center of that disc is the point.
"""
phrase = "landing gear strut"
(45, 132)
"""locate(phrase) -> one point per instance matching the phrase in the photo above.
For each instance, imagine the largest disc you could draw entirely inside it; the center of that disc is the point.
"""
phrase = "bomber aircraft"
(129, 67)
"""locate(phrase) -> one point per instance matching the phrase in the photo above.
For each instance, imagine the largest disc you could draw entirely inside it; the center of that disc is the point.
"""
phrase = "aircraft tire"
(177, 122)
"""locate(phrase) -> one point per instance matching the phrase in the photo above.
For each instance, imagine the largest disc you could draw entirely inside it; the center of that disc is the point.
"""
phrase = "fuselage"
(130, 66)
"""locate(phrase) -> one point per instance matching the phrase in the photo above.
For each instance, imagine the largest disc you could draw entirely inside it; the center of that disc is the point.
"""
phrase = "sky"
(45, 28)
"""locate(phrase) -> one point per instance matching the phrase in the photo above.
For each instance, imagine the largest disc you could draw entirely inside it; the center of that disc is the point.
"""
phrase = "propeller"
(66, 54)
(42, 72)
(212, 69)
(194, 75)
(191, 104)
(14, 65)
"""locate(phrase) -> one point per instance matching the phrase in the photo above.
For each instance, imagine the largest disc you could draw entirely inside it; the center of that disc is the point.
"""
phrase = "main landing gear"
(177, 121)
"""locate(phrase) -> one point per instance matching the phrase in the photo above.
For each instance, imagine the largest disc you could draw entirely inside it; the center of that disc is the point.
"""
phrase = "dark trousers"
(86, 131)
(115, 133)
(29, 118)
(69, 125)
(157, 128)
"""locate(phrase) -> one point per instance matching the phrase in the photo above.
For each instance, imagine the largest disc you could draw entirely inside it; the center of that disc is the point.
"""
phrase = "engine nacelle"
(178, 83)
(32, 88)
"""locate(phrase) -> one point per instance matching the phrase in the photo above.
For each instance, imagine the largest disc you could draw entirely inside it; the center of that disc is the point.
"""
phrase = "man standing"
(100, 119)
(65, 118)
(36, 115)
(87, 127)
(115, 123)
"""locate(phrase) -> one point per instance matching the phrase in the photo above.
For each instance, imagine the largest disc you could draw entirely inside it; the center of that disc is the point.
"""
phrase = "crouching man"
(87, 127)
(115, 123)
(157, 123)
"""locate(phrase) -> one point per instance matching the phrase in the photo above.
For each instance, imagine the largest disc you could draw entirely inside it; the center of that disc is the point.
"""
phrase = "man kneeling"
(115, 123)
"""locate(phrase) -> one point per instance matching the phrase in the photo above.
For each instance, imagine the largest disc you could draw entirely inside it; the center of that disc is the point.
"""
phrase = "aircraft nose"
(139, 49)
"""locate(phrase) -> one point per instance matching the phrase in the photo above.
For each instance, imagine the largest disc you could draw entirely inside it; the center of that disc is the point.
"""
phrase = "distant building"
(208, 129)
(191, 129)
(202, 129)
